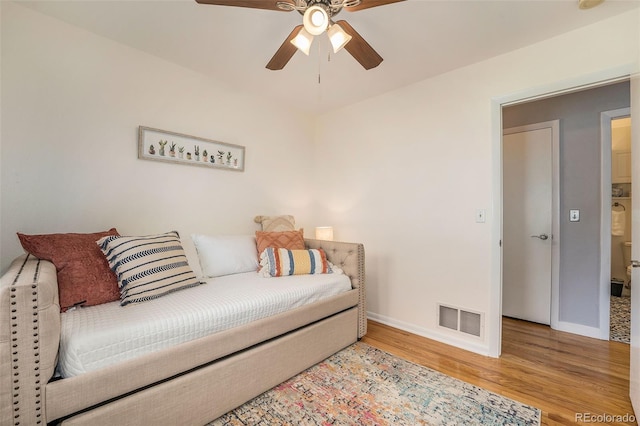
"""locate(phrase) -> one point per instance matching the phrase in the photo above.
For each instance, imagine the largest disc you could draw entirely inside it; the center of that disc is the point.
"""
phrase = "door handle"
(546, 237)
(635, 264)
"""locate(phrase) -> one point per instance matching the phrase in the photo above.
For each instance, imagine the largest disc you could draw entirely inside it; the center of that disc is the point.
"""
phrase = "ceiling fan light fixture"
(315, 20)
(338, 37)
(588, 4)
(303, 41)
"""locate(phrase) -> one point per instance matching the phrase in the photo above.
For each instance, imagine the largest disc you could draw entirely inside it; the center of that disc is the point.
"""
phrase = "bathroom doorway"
(617, 140)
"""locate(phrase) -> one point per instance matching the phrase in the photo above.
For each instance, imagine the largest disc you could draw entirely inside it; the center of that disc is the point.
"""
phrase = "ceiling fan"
(316, 18)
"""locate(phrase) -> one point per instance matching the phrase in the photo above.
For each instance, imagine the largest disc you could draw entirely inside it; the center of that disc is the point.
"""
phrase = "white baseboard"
(431, 334)
(582, 330)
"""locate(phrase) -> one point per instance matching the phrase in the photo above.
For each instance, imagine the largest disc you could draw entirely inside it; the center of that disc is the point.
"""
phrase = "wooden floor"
(560, 373)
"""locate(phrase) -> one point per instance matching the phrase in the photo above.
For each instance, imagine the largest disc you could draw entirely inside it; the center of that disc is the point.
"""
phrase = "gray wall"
(579, 115)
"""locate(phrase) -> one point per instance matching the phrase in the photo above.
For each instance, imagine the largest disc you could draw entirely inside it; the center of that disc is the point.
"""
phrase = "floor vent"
(460, 320)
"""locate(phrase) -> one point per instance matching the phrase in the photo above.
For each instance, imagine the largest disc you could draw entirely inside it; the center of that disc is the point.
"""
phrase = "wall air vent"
(460, 320)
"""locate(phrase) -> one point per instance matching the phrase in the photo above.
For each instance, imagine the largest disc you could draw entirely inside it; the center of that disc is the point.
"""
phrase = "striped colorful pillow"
(148, 267)
(279, 262)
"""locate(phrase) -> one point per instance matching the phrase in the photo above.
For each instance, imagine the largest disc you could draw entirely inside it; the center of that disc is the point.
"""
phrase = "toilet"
(626, 256)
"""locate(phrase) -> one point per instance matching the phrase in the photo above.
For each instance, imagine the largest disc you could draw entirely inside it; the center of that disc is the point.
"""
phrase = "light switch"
(574, 215)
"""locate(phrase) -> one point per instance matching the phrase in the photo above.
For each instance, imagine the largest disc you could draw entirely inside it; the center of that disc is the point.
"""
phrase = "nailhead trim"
(18, 351)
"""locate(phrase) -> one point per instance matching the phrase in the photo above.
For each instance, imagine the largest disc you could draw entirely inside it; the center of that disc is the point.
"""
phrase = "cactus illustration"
(196, 152)
(181, 151)
(162, 144)
(205, 155)
(220, 155)
(172, 149)
(229, 157)
(152, 150)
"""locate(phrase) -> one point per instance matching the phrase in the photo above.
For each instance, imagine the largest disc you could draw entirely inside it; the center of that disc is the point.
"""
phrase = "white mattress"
(103, 335)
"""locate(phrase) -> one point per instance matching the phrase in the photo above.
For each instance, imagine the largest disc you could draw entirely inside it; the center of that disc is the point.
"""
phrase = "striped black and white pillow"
(148, 267)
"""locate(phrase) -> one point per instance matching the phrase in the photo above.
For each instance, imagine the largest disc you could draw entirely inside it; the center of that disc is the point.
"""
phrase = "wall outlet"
(481, 215)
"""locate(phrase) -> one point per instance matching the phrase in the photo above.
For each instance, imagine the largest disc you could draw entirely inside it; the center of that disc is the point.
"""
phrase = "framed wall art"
(171, 147)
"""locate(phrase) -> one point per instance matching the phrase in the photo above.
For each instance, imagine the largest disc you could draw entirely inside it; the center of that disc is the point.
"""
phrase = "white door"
(528, 221)
(634, 376)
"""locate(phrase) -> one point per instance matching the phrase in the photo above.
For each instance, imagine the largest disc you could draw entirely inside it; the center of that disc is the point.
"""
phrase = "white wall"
(413, 166)
(71, 105)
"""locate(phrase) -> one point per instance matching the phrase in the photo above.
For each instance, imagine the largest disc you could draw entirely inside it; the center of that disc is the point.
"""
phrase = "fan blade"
(254, 4)
(360, 49)
(367, 4)
(285, 53)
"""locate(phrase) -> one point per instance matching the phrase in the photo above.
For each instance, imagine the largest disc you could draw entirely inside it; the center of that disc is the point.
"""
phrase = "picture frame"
(178, 148)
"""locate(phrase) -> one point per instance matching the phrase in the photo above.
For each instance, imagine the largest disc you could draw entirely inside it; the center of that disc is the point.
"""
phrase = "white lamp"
(338, 37)
(315, 20)
(303, 41)
(324, 233)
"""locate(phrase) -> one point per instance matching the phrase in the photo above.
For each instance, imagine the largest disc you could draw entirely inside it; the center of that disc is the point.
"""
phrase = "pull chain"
(319, 62)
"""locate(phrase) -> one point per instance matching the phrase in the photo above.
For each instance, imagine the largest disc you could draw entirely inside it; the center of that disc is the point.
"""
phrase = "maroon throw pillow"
(84, 276)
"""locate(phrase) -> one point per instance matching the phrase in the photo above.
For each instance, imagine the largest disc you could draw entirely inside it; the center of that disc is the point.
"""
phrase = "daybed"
(191, 383)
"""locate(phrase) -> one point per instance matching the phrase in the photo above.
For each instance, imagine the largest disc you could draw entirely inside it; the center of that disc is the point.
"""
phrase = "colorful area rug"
(620, 319)
(362, 385)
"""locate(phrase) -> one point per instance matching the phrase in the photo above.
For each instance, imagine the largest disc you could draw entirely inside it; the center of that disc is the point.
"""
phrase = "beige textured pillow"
(277, 223)
(291, 240)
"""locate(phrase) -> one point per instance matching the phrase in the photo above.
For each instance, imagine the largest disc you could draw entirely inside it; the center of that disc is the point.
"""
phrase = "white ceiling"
(417, 39)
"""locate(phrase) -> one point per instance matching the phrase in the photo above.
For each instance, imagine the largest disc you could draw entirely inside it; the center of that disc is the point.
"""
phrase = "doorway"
(616, 222)
(580, 300)
(580, 287)
(530, 221)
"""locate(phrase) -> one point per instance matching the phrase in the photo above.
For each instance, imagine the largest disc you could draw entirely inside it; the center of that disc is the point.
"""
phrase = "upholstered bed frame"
(192, 383)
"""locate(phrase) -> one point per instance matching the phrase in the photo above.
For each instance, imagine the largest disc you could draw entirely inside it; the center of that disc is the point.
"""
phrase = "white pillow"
(226, 255)
(192, 255)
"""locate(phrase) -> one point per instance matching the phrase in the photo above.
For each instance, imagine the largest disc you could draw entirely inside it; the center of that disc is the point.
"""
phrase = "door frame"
(575, 83)
(605, 216)
(554, 125)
